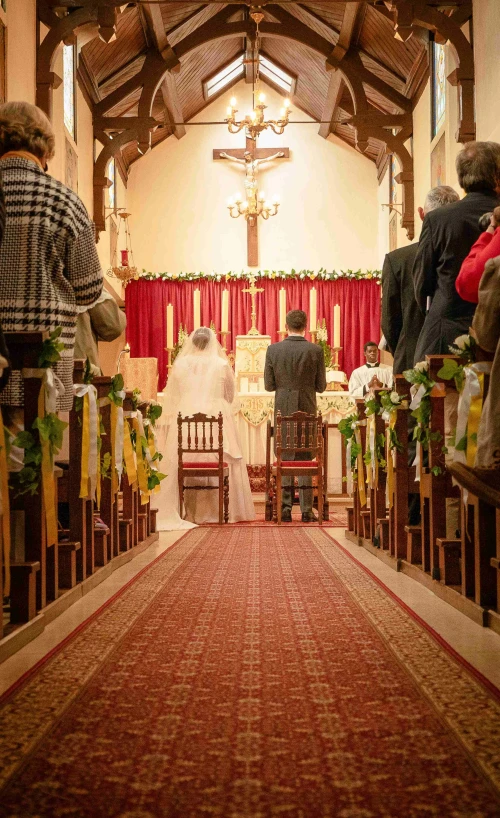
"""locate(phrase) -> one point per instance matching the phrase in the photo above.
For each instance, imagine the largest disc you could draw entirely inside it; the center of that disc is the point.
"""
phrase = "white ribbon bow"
(53, 386)
(119, 436)
(471, 389)
(417, 395)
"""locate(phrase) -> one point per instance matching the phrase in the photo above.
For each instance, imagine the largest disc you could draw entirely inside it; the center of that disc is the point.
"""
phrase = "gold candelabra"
(256, 122)
(252, 207)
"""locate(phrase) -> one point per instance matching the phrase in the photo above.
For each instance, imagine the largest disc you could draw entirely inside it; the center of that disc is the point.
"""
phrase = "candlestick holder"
(169, 359)
(223, 335)
(335, 357)
(313, 334)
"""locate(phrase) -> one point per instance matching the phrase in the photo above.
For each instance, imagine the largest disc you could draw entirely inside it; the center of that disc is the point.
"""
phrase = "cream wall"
(20, 19)
(177, 196)
(487, 64)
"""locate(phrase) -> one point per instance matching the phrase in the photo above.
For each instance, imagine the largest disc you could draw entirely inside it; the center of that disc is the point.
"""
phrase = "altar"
(256, 408)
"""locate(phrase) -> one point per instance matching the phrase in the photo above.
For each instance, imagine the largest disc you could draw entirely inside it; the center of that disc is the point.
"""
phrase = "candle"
(336, 326)
(124, 255)
(282, 310)
(225, 311)
(313, 321)
(196, 309)
(170, 326)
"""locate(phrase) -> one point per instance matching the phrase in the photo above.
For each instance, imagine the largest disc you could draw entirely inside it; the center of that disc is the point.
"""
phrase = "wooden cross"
(257, 153)
(253, 290)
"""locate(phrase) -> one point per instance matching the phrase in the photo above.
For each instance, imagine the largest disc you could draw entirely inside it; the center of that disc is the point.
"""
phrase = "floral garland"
(419, 377)
(322, 341)
(321, 275)
(347, 428)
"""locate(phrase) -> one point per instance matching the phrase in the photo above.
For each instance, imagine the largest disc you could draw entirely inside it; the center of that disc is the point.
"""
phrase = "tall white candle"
(282, 310)
(196, 310)
(313, 321)
(336, 326)
(170, 326)
(225, 311)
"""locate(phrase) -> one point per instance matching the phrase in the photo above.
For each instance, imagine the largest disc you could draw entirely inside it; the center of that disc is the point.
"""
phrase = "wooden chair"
(197, 435)
(298, 434)
(269, 485)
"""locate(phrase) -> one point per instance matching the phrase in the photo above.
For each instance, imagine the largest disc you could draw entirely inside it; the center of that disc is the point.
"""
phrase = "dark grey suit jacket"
(448, 234)
(295, 370)
(402, 318)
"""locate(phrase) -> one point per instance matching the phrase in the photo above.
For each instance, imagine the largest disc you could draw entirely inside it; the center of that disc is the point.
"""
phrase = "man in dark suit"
(446, 239)
(402, 318)
(295, 371)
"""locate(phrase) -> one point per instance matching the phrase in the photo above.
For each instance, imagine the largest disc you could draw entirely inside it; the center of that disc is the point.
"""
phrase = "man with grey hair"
(448, 234)
(402, 318)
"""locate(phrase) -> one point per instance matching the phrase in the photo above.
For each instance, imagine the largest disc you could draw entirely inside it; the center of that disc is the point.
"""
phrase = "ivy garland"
(49, 428)
(347, 428)
(322, 275)
(422, 433)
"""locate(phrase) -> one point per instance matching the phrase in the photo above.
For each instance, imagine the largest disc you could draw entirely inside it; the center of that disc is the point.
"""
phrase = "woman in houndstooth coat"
(48, 260)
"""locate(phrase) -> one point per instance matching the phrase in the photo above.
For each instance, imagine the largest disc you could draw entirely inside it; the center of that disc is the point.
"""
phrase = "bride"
(201, 380)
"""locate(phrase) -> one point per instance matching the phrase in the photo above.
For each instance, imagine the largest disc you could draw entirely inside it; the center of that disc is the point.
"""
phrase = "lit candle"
(225, 311)
(170, 326)
(282, 310)
(196, 310)
(124, 255)
(336, 326)
(313, 321)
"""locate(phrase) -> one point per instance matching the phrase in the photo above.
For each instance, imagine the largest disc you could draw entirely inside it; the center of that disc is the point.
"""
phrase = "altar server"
(372, 375)
(201, 380)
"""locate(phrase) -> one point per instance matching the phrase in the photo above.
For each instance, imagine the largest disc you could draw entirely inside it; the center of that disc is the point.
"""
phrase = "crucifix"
(253, 290)
(252, 157)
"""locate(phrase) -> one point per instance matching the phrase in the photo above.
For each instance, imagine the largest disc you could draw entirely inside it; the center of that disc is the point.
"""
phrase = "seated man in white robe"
(372, 375)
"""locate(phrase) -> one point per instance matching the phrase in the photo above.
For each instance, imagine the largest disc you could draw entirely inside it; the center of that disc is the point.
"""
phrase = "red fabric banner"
(146, 307)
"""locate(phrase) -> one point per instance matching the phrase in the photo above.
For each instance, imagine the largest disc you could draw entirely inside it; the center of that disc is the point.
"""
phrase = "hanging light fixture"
(253, 206)
(256, 122)
(127, 271)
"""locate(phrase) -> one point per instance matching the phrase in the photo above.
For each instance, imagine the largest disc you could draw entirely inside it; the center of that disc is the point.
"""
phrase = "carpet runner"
(251, 672)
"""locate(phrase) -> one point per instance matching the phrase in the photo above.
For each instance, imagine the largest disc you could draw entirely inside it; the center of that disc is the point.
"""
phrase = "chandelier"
(127, 271)
(253, 206)
(256, 122)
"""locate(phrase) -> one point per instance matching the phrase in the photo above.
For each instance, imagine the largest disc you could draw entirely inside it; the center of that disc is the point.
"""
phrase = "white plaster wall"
(177, 196)
(383, 219)
(487, 65)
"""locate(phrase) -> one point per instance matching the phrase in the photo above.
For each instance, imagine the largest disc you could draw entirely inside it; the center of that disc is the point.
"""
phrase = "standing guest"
(402, 318)
(447, 236)
(48, 259)
(104, 321)
(372, 375)
(487, 246)
(295, 370)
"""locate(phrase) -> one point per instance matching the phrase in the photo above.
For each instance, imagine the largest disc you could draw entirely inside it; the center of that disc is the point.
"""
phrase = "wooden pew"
(357, 515)
(34, 581)
(377, 494)
(403, 476)
(130, 498)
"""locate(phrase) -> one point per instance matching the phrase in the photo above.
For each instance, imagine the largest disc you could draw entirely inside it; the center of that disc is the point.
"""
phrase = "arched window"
(438, 79)
(69, 67)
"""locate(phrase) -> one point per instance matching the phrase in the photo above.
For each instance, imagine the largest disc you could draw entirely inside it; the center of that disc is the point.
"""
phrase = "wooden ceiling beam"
(336, 85)
(173, 109)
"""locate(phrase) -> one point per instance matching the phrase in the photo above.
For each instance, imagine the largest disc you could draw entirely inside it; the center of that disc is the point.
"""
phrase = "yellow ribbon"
(114, 476)
(98, 464)
(141, 466)
(48, 485)
(476, 408)
(4, 491)
(361, 476)
(128, 454)
(389, 458)
(84, 478)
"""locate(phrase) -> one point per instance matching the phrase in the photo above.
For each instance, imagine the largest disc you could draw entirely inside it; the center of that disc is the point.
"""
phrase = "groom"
(295, 370)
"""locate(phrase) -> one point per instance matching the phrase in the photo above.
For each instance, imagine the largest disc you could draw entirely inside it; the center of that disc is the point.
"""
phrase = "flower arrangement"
(322, 341)
(182, 337)
(347, 427)
(321, 275)
(464, 348)
(421, 406)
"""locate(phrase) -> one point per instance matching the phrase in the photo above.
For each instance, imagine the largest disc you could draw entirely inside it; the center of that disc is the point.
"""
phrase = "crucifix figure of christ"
(251, 157)
(253, 290)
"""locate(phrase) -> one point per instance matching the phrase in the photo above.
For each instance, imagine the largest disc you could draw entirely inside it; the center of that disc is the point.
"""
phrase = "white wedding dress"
(201, 381)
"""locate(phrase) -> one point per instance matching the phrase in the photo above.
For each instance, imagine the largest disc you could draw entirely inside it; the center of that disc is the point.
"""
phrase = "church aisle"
(252, 672)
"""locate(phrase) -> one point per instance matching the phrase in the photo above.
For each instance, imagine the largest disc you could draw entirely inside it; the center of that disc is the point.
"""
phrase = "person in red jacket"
(487, 246)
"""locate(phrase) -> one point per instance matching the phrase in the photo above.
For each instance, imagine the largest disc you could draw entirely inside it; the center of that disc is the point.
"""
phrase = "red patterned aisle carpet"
(247, 673)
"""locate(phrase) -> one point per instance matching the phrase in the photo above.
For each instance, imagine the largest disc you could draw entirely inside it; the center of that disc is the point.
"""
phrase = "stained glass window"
(438, 55)
(112, 178)
(69, 89)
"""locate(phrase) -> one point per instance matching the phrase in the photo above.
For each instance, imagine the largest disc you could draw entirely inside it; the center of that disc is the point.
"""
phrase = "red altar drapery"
(146, 304)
